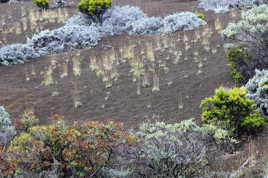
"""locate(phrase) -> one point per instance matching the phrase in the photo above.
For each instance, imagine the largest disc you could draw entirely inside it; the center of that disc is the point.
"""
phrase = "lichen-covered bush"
(82, 32)
(258, 91)
(43, 4)
(231, 110)
(224, 5)
(94, 8)
(79, 150)
(7, 131)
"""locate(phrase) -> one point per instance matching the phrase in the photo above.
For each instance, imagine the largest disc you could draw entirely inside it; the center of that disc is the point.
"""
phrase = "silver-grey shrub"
(64, 38)
(170, 150)
(16, 54)
(181, 21)
(251, 30)
(150, 25)
(118, 20)
(80, 32)
(224, 5)
(258, 91)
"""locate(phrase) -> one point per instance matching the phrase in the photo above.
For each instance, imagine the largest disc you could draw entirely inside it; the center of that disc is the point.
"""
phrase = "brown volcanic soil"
(193, 65)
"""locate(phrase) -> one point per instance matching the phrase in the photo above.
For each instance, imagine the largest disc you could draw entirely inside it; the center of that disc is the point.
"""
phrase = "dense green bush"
(79, 150)
(237, 57)
(43, 4)
(231, 110)
(94, 8)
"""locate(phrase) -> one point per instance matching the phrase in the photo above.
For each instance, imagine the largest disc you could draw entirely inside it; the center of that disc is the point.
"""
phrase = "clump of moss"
(236, 56)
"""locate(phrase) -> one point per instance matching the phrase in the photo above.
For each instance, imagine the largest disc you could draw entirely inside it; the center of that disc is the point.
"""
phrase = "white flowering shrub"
(223, 5)
(258, 91)
(7, 131)
(80, 32)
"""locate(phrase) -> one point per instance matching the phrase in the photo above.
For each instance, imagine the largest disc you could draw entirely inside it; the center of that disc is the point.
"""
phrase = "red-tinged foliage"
(81, 149)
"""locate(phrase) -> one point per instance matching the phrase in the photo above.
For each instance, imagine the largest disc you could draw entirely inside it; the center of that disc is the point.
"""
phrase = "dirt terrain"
(100, 83)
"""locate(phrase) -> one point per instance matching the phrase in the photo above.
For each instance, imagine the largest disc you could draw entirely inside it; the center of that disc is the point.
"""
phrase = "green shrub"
(43, 4)
(200, 15)
(26, 121)
(237, 57)
(94, 8)
(231, 110)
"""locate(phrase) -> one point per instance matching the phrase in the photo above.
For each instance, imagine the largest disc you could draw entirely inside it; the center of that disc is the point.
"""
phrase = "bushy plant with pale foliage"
(170, 150)
(81, 32)
(224, 5)
(258, 91)
(7, 131)
(251, 30)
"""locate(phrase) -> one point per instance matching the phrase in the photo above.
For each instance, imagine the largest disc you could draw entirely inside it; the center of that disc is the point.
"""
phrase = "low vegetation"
(232, 111)
(94, 8)
(81, 149)
(43, 4)
(258, 91)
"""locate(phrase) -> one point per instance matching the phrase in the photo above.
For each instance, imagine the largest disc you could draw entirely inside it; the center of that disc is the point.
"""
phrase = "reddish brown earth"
(98, 83)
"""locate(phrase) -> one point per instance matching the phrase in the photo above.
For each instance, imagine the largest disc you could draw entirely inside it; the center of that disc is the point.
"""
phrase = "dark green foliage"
(94, 8)
(43, 4)
(231, 110)
(238, 57)
(3, 1)
(200, 15)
